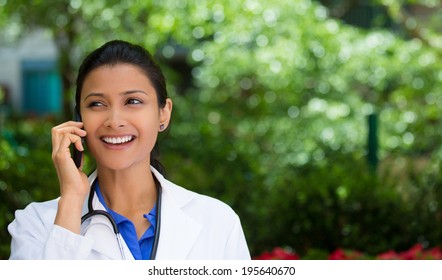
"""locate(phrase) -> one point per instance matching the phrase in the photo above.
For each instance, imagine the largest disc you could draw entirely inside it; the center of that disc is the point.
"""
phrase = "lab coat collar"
(178, 231)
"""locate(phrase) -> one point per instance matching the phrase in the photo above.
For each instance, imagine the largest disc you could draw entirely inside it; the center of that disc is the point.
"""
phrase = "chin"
(118, 164)
(112, 166)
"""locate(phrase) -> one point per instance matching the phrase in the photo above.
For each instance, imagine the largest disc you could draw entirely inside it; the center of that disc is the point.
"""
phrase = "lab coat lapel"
(178, 231)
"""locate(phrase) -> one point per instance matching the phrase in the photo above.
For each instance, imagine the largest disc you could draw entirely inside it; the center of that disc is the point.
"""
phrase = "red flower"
(278, 253)
(432, 254)
(281, 254)
(340, 254)
(414, 253)
(389, 255)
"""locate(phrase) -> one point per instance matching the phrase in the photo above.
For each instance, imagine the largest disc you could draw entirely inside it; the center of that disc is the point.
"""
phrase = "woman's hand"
(74, 186)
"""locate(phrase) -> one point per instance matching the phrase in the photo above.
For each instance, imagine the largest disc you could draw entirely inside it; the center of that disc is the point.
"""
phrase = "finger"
(72, 130)
(63, 157)
(66, 141)
(62, 127)
(69, 123)
(58, 133)
(74, 139)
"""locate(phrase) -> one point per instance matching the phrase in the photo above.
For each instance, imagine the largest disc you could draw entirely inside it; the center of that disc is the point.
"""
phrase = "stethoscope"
(91, 212)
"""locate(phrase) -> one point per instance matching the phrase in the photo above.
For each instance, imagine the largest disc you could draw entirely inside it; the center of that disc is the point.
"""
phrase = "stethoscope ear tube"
(156, 237)
(102, 213)
(120, 245)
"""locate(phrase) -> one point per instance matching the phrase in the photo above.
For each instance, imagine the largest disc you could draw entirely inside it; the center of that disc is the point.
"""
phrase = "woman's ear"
(165, 114)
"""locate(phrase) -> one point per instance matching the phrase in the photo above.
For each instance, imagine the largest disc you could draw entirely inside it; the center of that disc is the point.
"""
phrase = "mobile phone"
(76, 154)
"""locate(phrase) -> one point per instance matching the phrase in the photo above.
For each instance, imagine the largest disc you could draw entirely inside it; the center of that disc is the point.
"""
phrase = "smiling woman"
(117, 211)
(124, 108)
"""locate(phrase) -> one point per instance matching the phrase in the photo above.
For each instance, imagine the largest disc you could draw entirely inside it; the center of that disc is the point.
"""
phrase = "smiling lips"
(118, 140)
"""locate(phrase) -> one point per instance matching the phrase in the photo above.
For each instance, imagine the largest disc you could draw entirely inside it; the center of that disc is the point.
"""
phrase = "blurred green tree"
(270, 111)
(77, 27)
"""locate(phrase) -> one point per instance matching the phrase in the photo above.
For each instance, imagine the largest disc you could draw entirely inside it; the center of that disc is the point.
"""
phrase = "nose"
(115, 119)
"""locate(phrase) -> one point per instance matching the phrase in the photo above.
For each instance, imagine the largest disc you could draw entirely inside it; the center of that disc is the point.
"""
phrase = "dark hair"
(119, 52)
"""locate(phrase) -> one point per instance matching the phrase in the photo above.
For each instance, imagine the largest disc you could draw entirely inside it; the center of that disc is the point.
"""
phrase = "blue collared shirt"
(140, 249)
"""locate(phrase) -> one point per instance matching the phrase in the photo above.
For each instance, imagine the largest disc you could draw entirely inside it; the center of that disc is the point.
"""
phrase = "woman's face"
(120, 113)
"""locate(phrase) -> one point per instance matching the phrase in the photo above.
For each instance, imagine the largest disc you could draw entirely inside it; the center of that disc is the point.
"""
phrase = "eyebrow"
(122, 93)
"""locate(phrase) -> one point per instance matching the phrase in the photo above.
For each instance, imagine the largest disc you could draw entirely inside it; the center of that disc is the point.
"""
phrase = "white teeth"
(117, 140)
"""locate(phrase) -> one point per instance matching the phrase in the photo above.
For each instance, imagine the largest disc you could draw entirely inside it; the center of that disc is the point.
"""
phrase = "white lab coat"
(193, 226)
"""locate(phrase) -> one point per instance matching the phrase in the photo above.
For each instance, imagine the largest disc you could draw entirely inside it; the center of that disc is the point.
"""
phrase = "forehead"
(116, 78)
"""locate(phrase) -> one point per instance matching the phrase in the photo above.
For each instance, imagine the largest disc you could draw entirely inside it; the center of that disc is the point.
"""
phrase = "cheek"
(150, 133)
(90, 125)
(90, 128)
(148, 120)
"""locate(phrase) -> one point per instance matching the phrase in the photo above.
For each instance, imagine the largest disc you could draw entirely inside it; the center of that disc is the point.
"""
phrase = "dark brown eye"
(95, 104)
(134, 101)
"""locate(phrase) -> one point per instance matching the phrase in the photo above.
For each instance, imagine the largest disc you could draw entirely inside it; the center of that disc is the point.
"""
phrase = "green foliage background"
(270, 116)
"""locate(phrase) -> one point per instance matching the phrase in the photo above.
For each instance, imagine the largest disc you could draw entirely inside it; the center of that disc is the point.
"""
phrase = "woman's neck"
(128, 191)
